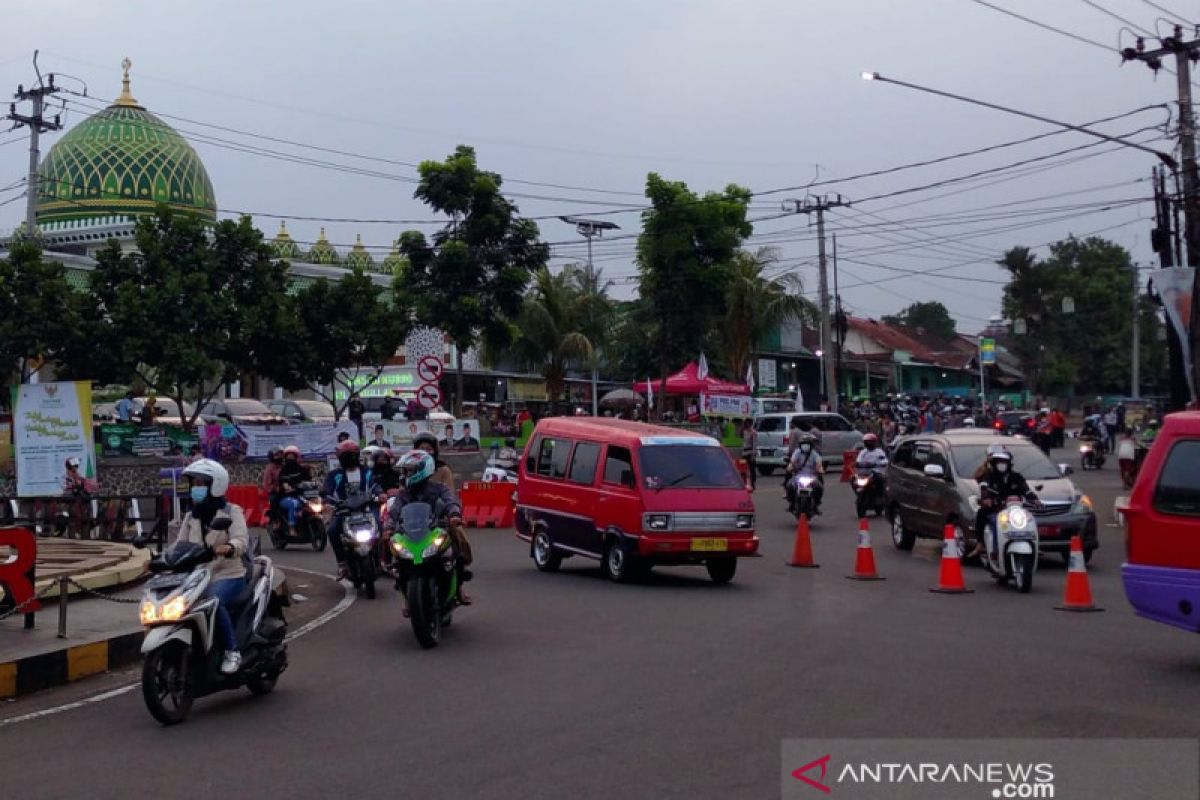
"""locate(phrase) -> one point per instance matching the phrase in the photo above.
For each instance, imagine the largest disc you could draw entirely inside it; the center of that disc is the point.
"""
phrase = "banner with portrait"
(460, 435)
(726, 405)
(51, 423)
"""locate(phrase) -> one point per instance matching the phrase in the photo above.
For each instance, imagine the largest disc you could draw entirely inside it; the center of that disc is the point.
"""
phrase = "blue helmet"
(416, 467)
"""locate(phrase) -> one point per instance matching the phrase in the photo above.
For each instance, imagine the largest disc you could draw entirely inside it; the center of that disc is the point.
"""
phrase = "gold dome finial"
(322, 238)
(358, 240)
(283, 231)
(126, 98)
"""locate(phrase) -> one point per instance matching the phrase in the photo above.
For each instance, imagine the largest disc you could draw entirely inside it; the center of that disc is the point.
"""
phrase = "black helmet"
(426, 438)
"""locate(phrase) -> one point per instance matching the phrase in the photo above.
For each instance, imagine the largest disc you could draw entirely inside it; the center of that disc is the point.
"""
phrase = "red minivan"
(1162, 527)
(632, 495)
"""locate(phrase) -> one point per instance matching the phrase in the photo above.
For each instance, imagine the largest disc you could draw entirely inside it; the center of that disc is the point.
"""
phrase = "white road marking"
(347, 600)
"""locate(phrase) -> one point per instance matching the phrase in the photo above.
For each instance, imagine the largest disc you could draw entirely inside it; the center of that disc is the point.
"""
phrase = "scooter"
(868, 486)
(803, 499)
(499, 470)
(360, 537)
(426, 571)
(182, 660)
(310, 526)
(1012, 545)
(1091, 453)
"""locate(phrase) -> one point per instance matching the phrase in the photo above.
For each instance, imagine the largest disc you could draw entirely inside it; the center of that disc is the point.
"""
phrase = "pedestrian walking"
(749, 451)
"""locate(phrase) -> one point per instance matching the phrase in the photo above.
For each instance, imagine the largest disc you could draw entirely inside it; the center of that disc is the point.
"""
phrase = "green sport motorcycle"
(426, 571)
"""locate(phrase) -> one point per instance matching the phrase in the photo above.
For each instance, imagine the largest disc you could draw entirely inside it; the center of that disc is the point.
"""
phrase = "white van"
(837, 436)
(773, 405)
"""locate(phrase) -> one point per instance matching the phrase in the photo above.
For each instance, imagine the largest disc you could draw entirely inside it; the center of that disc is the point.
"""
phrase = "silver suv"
(837, 436)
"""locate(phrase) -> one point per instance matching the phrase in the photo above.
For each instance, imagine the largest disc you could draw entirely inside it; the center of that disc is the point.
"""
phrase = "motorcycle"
(310, 525)
(868, 486)
(803, 496)
(1091, 453)
(426, 571)
(500, 470)
(182, 660)
(1012, 546)
(360, 537)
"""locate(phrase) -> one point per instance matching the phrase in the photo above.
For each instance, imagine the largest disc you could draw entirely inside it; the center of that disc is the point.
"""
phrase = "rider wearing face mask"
(349, 476)
(806, 460)
(209, 481)
(998, 482)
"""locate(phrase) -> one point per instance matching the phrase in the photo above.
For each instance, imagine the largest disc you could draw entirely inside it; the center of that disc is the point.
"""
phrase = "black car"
(1015, 423)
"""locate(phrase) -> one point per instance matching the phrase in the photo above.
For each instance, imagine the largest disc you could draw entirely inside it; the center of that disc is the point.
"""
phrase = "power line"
(1118, 17)
(1167, 11)
(1045, 26)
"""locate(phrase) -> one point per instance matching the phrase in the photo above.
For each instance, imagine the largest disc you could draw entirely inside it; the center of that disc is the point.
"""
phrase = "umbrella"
(618, 396)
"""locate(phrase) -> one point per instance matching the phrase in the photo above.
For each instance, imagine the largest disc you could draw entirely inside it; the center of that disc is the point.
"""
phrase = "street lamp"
(589, 228)
(1165, 158)
(820, 354)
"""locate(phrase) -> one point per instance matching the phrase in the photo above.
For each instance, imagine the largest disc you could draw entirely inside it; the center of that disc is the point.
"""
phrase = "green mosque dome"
(323, 252)
(122, 161)
(284, 245)
(359, 258)
(394, 262)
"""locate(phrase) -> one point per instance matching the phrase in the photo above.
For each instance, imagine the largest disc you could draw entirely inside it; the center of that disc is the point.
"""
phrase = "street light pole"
(588, 229)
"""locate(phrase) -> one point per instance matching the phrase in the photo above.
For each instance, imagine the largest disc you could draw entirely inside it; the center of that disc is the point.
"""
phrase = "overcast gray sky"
(595, 95)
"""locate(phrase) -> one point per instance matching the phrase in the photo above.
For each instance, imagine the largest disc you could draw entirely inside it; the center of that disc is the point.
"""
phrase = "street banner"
(702, 367)
(725, 405)
(51, 423)
(1174, 285)
(987, 351)
(750, 377)
(315, 439)
(767, 380)
(460, 435)
(129, 439)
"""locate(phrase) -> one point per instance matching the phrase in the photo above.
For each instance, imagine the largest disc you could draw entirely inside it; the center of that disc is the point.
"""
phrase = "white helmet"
(969, 422)
(216, 474)
(369, 452)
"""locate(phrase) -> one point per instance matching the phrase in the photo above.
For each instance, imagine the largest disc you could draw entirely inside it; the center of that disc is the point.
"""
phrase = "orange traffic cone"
(950, 579)
(864, 557)
(1078, 594)
(802, 554)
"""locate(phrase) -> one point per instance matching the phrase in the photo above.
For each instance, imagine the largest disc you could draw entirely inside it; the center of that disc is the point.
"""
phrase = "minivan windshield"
(687, 466)
(1027, 460)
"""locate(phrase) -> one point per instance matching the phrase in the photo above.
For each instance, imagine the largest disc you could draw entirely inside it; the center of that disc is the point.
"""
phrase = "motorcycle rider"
(291, 475)
(208, 481)
(806, 460)
(872, 456)
(508, 455)
(349, 473)
(417, 470)
(385, 472)
(441, 473)
(998, 482)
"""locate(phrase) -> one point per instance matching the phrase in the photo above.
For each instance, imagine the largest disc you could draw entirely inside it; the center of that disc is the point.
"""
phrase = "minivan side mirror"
(1065, 470)
(935, 471)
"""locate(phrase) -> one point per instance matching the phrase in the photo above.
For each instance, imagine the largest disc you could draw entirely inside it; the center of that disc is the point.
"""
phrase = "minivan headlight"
(657, 522)
(1083, 505)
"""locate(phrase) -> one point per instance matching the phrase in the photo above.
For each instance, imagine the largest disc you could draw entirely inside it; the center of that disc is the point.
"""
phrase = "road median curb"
(69, 663)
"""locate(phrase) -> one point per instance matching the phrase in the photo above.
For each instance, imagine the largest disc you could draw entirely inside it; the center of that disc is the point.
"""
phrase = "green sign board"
(987, 351)
(135, 440)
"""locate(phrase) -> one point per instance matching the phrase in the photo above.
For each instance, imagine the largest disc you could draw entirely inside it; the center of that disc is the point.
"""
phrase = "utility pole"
(1164, 239)
(1184, 53)
(1135, 378)
(838, 330)
(818, 206)
(589, 229)
(38, 125)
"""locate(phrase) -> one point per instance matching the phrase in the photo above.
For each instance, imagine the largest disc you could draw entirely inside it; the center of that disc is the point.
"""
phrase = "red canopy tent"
(687, 381)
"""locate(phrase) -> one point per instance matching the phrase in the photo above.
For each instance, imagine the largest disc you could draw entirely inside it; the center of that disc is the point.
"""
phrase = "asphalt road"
(565, 685)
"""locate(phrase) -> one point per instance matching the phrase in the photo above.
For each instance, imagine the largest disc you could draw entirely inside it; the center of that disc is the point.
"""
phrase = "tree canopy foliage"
(931, 317)
(40, 315)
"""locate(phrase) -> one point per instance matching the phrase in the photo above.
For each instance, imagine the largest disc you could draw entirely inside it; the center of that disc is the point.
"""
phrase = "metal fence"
(115, 518)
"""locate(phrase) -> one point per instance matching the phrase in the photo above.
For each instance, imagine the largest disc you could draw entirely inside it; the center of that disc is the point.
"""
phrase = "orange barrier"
(950, 578)
(1078, 593)
(488, 505)
(848, 459)
(864, 558)
(802, 554)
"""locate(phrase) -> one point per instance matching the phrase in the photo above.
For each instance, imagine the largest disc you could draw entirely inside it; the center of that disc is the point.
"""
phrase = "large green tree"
(685, 257)
(931, 317)
(470, 280)
(40, 315)
(756, 304)
(191, 309)
(346, 331)
(1087, 350)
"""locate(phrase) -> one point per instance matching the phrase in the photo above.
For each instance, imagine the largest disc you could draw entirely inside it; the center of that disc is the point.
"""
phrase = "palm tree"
(756, 304)
(551, 328)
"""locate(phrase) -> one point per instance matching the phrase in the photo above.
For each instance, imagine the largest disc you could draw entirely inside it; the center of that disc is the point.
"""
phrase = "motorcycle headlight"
(316, 507)
(435, 546)
(148, 613)
(806, 481)
(362, 535)
(1018, 518)
(861, 481)
(1085, 448)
